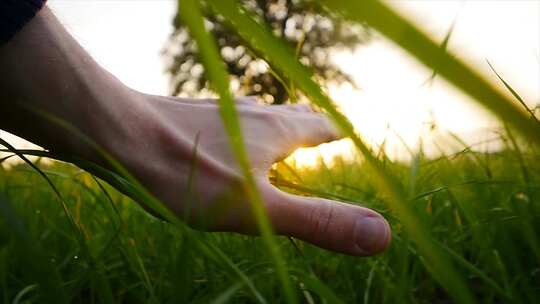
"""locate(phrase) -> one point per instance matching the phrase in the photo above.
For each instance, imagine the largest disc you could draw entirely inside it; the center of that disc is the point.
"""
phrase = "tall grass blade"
(444, 46)
(190, 13)
(282, 59)
(312, 283)
(513, 92)
(226, 296)
(382, 18)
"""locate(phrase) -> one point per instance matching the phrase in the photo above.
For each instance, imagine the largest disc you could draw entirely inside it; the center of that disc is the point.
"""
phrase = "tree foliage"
(314, 34)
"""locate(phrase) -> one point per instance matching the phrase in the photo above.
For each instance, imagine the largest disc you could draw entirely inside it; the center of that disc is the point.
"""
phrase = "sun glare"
(395, 105)
(326, 153)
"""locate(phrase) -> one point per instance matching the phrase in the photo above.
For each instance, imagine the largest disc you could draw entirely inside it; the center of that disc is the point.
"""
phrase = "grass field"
(482, 208)
(464, 225)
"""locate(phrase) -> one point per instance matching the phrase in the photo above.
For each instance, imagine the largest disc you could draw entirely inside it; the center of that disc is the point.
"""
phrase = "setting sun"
(312, 157)
(396, 104)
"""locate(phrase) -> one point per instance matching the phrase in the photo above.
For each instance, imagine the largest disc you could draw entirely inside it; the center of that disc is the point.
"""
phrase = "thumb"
(328, 224)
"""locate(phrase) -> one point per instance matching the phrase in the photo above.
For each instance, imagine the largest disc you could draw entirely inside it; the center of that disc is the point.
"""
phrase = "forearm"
(44, 70)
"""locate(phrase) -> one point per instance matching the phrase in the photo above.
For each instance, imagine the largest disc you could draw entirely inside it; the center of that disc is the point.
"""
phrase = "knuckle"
(304, 107)
(321, 218)
(326, 128)
(276, 122)
(244, 100)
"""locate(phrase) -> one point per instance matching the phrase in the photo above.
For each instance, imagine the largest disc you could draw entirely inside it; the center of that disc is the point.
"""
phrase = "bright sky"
(391, 98)
(127, 36)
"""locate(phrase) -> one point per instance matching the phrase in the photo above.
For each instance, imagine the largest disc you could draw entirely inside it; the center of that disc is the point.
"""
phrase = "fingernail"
(371, 234)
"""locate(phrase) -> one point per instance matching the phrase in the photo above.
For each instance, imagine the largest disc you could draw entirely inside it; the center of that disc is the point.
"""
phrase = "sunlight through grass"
(465, 225)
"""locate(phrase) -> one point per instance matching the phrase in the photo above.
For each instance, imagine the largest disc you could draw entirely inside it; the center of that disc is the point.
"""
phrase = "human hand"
(176, 137)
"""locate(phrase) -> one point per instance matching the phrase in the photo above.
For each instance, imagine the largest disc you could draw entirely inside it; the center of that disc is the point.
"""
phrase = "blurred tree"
(302, 24)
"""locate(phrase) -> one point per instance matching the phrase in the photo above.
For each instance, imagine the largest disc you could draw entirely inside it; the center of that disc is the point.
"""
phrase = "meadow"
(464, 225)
(481, 208)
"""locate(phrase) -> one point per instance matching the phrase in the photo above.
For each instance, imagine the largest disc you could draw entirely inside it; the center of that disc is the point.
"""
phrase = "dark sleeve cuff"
(14, 14)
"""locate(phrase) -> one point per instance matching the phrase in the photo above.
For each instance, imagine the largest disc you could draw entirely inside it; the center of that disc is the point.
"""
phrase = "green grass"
(283, 61)
(486, 223)
(465, 226)
(191, 13)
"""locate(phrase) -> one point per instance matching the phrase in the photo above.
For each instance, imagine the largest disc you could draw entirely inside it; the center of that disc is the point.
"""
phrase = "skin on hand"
(181, 129)
(177, 148)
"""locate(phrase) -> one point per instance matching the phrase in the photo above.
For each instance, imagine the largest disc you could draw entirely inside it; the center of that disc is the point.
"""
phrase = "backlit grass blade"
(226, 296)
(63, 203)
(444, 46)
(215, 70)
(282, 60)
(512, 91)
(241, 275)
(120, 177)
(382, 18)
(313, 283)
